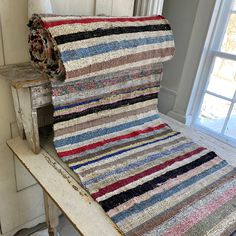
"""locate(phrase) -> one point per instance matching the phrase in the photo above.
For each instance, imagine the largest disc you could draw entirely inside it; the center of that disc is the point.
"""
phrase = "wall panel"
(77, 7)
(114, 7)
(14, 19)
(122, 7)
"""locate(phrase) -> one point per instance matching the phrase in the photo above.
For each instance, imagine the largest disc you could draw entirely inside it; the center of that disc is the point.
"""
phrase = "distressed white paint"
(39, 6)
(79, 207)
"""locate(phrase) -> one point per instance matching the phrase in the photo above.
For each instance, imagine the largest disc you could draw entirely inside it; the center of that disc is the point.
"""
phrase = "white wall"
(24, 207)
(189, 21)
(15, 206)
(181, 15)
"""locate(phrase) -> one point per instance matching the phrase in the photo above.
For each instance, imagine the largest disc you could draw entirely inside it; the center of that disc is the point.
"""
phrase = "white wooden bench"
(31, 92)
(63, 188)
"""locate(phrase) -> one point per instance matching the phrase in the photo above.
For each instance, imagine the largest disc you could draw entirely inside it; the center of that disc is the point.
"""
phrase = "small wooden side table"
(31, 91)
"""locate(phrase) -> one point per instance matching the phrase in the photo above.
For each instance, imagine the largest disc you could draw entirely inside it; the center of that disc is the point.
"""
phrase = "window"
(213, 100)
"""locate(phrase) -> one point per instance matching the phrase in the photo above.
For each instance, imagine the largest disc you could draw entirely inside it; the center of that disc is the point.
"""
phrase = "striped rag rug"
(148, 178)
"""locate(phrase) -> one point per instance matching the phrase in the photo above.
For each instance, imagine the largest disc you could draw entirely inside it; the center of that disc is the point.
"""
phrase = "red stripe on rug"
(123, 182)
(101, 143)
(93, 20)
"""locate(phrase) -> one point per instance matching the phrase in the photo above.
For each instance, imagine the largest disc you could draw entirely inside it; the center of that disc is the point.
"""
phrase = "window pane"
(234, 5)
(213, 112)
(223, 78)
(231, 127)
(229, 40)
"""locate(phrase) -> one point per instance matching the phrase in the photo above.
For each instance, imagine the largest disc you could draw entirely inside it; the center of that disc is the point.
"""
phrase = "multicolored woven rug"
(149, 179)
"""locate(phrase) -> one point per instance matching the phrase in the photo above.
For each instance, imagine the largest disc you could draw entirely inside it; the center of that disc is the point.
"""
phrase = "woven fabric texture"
(148, 178)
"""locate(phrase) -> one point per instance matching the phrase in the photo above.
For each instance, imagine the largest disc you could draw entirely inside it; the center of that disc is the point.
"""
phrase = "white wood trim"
(122, 8)
(219, 96)
(137, 6)
(224, 55)
(158, 7)
(114, 7)
(148, 7)
(211, 51)
(103, 7)
(203, 68)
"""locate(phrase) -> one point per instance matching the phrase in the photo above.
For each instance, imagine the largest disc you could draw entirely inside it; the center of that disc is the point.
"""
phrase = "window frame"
(210, 52)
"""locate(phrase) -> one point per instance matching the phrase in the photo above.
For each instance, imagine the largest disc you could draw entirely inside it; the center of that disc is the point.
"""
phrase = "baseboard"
(169, 91)
(30, 224)
(32, 230)
(166, 99)
(177, 116)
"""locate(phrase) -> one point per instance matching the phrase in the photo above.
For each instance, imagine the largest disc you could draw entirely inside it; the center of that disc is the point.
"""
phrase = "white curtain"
(148, 7)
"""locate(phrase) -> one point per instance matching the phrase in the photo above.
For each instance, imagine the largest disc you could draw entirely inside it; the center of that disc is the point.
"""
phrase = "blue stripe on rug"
(103, 131)
(139, 163)
(57, 108)
(72, 55)
(121, 151)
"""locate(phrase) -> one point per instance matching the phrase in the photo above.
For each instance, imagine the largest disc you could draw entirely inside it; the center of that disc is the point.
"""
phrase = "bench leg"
(52, 216)
(29, 119)
(18, 112)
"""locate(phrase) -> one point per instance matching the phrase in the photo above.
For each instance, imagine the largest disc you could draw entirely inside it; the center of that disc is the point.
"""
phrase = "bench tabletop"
(22, 75)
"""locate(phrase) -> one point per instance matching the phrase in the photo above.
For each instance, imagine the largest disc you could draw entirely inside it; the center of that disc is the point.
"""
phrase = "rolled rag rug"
(105, 75)
(69, 47)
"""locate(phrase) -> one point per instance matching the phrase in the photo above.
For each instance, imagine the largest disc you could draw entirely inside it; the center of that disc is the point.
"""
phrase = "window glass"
(234, 5)
(223, 78)
(213, 112)
(229, 40)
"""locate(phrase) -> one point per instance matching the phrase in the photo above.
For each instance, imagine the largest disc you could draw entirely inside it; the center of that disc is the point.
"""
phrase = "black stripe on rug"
(118, 199)
(67, 38)
(91, 110)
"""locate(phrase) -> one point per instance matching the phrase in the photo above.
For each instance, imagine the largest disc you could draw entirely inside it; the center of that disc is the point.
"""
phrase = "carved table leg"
(52, 215)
